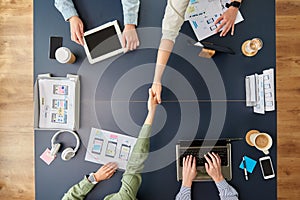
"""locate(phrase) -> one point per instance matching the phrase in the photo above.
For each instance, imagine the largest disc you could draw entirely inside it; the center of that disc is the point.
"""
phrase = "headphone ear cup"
(54, 149)
(67, 154)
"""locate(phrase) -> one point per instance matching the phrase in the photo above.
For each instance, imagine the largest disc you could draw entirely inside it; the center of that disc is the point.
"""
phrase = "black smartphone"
(54, 43)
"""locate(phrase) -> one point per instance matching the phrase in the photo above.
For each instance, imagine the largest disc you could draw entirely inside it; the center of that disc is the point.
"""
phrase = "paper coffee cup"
(262, 141)
(64, 55)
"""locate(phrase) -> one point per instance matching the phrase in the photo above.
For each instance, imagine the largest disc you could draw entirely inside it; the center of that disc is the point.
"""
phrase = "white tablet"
(103, 42)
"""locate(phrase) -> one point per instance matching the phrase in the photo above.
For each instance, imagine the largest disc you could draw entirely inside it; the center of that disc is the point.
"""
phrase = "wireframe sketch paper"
(57, 103)
(203, 14)
(260, 91)
(260, 95)
(106, 146)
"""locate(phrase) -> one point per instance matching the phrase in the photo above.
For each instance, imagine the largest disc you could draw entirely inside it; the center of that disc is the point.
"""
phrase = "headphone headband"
(62, 131)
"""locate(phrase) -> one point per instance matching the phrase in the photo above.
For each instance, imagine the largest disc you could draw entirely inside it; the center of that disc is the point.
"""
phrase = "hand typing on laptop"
(213, 166)
(213, 169)
(189, 171)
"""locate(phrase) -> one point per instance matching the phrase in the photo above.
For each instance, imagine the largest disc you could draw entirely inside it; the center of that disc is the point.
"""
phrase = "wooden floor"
(16, 94)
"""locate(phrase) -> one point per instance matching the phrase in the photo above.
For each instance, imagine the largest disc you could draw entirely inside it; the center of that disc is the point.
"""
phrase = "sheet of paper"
(56, 100)
(250, 90)
(250, 164)
(106, 146)
(203, 14)
(260, 95)
(269, 89)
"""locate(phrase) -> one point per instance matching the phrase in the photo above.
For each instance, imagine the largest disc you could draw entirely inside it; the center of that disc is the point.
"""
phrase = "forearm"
(184, 193)
(66, 8)
(79, 191)
(150, 117)
(131, 180)
(130, 11)
(163, 55)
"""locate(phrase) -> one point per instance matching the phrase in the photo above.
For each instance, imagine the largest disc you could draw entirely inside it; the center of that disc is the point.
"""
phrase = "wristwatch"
(92, 179)
(235, 4)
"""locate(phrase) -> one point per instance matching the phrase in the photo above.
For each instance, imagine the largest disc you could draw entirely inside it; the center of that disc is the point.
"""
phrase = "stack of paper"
(260, 91)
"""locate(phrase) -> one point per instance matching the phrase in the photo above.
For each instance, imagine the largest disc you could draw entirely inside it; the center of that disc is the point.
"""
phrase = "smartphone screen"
(111, 149)
(55, 43)
(59, 118)
(60, 104)
(97, 146)
(124, 152)
(60, 89)
(267, 167)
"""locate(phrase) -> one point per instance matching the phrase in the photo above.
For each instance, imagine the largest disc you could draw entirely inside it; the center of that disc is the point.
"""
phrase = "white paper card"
(106, 146)
(260, 106)
(250, 91)
(269, 89)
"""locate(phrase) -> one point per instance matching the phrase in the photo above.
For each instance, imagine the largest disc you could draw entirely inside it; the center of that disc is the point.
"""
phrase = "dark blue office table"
(202, 98)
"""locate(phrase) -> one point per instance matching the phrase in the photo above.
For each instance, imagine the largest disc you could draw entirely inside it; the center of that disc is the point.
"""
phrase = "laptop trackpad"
(202, 175)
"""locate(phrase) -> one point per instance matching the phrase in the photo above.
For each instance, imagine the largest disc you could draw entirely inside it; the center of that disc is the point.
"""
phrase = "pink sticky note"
(46, 157)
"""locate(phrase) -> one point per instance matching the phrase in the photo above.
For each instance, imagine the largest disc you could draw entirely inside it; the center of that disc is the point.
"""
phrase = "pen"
(245, 169)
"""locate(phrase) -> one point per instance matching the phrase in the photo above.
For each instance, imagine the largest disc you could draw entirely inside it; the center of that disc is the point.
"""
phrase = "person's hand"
(213, 167)
(130, 40)
(189, 171)
(228, 19)
(152, 101)
(76, 28)
(156, 89)
(106, 171)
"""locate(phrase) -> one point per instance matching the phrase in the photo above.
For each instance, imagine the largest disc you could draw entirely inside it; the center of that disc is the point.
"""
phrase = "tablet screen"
(103, 42)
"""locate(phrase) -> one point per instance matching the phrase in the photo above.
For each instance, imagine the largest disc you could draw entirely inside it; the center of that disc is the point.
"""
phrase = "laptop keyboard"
(199, 155)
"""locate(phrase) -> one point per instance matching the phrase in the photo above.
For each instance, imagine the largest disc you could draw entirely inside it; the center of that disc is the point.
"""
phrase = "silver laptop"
(198, 148)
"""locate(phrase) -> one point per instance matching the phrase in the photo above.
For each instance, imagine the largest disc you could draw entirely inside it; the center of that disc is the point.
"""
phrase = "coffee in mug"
(262, 141)
(64, 55)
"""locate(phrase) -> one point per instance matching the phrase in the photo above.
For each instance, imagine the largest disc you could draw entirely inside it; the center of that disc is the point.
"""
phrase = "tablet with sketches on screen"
(103, 42)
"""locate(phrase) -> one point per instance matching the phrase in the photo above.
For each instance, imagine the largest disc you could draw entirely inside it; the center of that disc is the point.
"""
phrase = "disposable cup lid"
(63, 55)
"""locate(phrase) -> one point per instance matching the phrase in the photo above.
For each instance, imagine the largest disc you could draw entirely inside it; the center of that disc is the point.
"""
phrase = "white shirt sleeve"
(226, 191)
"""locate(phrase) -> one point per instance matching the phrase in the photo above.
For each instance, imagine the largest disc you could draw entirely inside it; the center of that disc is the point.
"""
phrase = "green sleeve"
(79, 191)
(132, 179)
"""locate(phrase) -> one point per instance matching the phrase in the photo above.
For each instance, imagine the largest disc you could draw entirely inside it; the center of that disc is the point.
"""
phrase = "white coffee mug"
(262, 141)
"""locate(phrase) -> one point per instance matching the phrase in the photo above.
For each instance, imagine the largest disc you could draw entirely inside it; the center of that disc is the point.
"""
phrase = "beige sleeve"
(173, 18)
